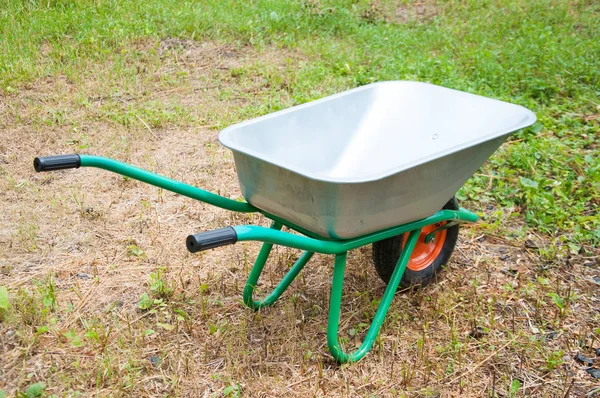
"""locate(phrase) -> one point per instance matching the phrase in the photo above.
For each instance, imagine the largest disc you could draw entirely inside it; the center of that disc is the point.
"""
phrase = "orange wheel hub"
(426, 253)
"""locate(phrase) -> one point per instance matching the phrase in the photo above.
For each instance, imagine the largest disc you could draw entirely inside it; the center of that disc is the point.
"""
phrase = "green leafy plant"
(560, 303)
(98, 333)
(554, 360)
(74, 339)
(159, 285)
(33, 391)
(48, 292)
(135, 251)
(4, 303)
(145, 301)
(232, 390)
(514, 387)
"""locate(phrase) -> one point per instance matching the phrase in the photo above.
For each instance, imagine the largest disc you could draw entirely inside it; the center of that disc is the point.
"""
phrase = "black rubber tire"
(386, 253)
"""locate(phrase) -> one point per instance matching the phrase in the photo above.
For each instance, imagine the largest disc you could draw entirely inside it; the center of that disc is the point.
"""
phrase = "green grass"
(541, 54)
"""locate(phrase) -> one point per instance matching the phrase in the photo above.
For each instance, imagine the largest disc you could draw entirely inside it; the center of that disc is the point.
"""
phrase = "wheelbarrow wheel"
(427, 258)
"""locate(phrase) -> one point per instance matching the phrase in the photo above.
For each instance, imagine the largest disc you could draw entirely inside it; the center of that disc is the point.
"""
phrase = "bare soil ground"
(91, 240)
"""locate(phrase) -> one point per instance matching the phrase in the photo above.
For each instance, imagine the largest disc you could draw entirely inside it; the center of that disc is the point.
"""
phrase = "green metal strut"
(257, 269)
(335, 303)
(277, 237)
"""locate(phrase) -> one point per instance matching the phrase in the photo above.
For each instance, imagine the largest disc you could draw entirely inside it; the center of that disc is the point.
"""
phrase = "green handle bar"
(50, 163)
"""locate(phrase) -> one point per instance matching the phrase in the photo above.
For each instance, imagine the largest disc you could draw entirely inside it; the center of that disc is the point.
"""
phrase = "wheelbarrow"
(379, 164)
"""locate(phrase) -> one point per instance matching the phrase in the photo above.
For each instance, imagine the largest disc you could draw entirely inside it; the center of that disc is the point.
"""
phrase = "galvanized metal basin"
(370, 158)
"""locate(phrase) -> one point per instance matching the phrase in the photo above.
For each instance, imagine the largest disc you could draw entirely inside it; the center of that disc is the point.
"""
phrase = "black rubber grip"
(50, 163)
(211, 239)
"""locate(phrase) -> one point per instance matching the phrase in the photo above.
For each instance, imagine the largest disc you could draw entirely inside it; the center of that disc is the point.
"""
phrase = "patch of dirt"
(419, 11)
(398, 12)
(204, 54)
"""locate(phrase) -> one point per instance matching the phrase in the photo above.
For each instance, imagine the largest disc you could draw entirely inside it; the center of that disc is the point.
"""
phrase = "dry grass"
(89, 241)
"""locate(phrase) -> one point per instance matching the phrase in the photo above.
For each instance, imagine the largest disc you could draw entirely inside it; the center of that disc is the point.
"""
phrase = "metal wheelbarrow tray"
(373, 165)
(369, 158)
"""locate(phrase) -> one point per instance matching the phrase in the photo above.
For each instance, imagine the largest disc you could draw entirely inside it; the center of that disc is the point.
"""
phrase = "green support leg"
(257, 269)
(335, 303)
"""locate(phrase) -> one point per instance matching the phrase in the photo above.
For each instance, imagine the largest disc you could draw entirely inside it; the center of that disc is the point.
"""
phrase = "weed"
(29, 308)
(47, 291)
(514, 387)
(4, 303)
(135, 251)
(33, 391)
(73, 338)
(553, 360)
(232, 390)
(27, 234)
(98, 333)
(145, 302)
(159, 285)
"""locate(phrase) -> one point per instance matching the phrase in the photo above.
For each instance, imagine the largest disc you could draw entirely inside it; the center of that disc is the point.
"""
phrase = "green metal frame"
(308, 242)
